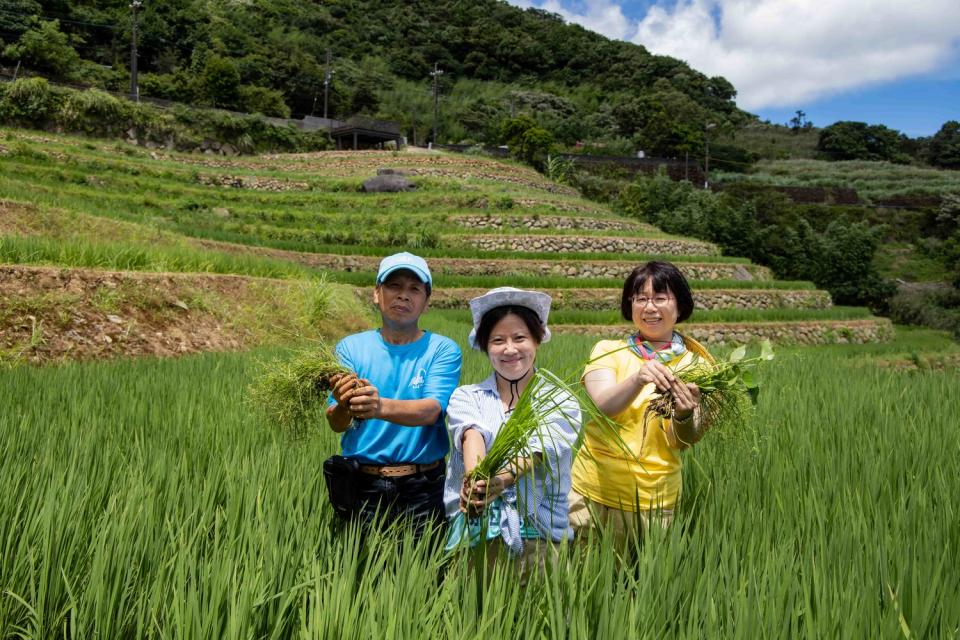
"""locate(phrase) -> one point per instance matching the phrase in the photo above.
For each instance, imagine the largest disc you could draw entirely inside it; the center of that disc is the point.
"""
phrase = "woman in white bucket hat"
(525, 505)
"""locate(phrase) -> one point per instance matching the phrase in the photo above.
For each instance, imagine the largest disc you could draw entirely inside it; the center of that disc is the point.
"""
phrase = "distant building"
(366, 133)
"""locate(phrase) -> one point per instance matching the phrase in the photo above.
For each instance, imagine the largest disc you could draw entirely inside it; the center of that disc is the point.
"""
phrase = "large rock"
(387, 184)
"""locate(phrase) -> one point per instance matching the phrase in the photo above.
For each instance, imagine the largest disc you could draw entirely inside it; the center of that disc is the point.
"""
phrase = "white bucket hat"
(536, 301)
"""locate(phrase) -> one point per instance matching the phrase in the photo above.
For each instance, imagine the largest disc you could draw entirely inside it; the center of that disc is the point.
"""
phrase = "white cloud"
(603, 16)
(786, 52)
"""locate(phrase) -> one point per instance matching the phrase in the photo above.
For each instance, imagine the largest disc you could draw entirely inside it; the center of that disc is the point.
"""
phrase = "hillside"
(497, 60)
(74, 204)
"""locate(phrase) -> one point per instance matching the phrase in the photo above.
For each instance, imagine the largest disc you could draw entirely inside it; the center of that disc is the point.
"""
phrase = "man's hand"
(342, 386)
(365, 401)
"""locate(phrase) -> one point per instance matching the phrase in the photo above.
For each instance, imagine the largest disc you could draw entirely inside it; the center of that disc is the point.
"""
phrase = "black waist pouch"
(340, 475)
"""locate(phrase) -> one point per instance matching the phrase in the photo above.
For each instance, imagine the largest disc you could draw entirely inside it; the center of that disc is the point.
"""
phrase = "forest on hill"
(269, 56)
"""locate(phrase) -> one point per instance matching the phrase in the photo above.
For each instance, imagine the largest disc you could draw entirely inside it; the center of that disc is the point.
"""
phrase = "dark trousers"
(417, 499)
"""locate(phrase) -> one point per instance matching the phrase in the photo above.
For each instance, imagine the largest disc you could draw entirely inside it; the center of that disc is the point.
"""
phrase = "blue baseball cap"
(404, 260)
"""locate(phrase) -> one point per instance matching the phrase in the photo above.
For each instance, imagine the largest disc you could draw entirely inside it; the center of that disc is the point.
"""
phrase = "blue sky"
(880, 61)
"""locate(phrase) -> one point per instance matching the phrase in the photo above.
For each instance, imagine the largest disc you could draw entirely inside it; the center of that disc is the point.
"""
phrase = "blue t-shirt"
(427, 368)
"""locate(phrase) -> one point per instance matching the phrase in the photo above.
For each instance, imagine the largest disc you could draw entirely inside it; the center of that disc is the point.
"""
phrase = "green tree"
(943, 149)
(269, 102)
(528, 142)
(18, 16)
(535, 144)
(846, 140)
(220, 82)
(512, 130)
(665, 122)
(43, 47)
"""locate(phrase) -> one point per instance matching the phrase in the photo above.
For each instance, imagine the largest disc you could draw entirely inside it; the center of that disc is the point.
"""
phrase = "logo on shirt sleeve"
(418, 379)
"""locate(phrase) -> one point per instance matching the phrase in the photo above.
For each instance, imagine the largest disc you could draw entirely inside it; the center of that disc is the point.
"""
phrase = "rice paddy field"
(143, 499)
(77, 203)
(872, 179)
(146, 498)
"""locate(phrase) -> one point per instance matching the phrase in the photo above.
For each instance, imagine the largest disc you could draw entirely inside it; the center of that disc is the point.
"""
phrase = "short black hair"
(495, 315)
(665, 277)
(410, 273)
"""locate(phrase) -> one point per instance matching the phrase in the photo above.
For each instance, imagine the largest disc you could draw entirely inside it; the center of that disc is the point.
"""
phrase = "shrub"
(30, 102)
(653, 197)
(269, 102)
(931, 306)
(95, 111)
(844, 265)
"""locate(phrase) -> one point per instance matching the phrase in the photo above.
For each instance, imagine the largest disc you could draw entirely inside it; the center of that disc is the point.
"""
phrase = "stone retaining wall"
(252, 182)
(545, 222)
(595, 244)
(504, 267)
(804, 333)
(706, 299)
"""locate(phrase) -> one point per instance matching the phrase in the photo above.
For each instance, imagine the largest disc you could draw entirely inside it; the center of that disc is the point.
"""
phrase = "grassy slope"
(119, 207)
(774, 142)
(872, 180)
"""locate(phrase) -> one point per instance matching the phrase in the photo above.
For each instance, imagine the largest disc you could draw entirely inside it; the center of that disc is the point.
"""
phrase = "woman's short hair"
(665, 277)
(495, 315)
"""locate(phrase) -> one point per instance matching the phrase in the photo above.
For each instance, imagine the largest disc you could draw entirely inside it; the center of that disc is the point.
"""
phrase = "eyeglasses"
(658, 301)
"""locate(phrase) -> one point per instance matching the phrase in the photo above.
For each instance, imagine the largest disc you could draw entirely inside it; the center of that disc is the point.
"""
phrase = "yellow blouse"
(649, 476)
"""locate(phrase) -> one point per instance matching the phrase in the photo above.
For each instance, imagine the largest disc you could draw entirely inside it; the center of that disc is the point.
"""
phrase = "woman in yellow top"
(614, 488)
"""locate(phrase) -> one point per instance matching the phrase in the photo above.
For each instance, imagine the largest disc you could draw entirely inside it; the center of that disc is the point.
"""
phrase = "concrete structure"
(366, 133)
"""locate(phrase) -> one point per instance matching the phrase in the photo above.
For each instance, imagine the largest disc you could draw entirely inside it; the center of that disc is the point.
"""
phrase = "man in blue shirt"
(391, 411)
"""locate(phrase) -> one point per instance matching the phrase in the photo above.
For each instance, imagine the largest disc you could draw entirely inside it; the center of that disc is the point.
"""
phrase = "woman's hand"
(477, 495)
(686, 398)
(656, 372)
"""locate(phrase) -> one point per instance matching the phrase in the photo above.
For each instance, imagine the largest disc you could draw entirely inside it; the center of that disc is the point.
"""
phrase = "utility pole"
(134, 87)
(16, 71)
(327, 76)
(706, 155)
(436, 73)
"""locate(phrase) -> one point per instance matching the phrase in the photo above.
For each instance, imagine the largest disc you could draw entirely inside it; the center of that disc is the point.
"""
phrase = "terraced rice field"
(143, 498)
(480, 222)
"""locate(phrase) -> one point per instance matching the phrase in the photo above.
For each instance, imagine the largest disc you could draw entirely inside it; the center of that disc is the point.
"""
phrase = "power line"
(11, 13)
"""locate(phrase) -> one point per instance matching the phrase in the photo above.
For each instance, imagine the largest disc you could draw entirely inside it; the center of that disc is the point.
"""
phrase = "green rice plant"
(143, 499)
(443, 281)
(539, 403)
(724, 384)
(138, 256)
(614, 319)
(291, 392)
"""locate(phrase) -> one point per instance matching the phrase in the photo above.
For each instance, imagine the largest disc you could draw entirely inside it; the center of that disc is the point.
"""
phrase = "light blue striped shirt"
(541, 493)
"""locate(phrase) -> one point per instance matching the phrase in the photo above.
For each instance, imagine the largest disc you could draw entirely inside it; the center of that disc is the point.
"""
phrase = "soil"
(51, 314)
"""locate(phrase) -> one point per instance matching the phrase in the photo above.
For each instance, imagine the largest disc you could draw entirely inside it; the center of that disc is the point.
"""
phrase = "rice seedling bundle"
(726, 386)
(544, 398)
(290, 391)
